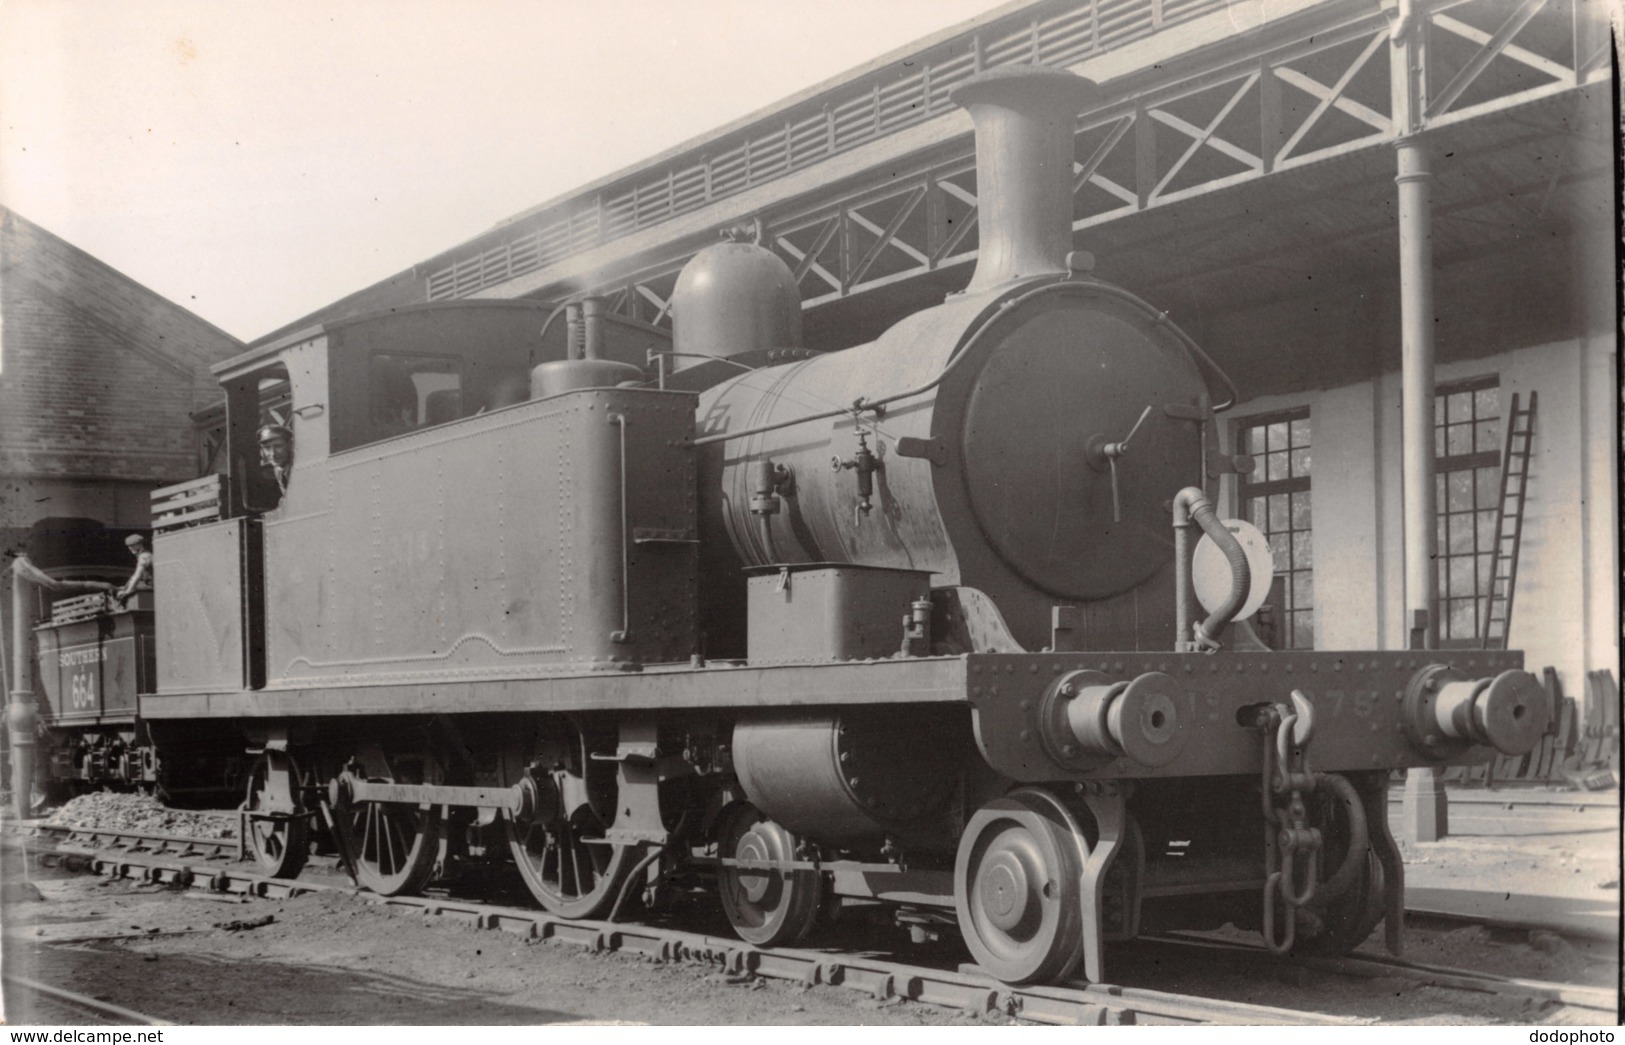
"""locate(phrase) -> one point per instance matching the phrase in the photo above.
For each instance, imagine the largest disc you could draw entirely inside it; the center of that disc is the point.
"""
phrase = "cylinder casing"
(853, 776)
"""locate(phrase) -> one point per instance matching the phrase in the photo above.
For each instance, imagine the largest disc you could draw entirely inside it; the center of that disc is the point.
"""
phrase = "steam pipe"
(861, 404)
(575, 334)
(998, 305)
(1191, 504)
(592, 314)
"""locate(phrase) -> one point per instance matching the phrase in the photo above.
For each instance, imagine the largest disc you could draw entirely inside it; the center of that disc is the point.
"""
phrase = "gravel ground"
(117, 811)
(193, 957)
(196, 958)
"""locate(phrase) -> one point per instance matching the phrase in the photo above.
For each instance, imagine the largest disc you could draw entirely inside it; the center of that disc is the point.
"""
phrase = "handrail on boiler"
(863, 403)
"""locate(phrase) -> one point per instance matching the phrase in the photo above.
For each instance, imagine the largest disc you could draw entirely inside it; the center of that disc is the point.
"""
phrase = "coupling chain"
(1287, 835)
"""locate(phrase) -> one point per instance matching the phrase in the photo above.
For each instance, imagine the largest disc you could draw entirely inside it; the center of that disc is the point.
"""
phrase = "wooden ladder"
(1509, 523)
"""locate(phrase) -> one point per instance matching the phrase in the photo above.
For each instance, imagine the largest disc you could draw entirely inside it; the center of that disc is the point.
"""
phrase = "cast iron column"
(1416, 385)
(1426, 808)
(21, 715)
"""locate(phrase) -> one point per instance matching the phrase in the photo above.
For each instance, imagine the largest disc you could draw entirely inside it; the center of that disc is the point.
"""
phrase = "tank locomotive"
(906, 626)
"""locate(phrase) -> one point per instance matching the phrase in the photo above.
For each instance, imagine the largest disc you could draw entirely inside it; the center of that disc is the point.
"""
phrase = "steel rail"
(964, 989)
(100, 1008)
(1372, 966)
(134, 841)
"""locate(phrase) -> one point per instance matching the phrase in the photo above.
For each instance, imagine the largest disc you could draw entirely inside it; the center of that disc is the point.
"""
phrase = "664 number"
(82, 690)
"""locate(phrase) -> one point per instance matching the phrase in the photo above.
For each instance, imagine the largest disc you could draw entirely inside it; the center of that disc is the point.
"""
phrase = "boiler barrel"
(985, 479)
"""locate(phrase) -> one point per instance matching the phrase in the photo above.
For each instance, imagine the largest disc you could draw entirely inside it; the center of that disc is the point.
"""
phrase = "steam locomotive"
(905, 626)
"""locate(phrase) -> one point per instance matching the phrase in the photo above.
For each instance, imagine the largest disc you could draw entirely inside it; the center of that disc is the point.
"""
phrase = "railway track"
(117, 1014)
(211, 864)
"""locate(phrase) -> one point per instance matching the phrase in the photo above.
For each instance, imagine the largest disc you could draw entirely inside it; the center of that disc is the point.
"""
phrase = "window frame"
(1249, 489)
(1471, 463)
(355, 422)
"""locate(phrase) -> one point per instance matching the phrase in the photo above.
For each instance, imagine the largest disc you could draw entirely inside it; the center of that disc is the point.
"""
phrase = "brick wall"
(98, 379)
(74, 403)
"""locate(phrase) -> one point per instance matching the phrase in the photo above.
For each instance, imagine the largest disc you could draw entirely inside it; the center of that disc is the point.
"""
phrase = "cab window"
(407, 392)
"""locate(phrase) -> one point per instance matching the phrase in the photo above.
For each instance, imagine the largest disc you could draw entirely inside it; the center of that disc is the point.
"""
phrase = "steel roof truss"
(1490, 48)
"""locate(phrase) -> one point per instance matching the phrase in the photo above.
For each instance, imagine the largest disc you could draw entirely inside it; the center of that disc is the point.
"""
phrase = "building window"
(1467, 486)
(1275, 497)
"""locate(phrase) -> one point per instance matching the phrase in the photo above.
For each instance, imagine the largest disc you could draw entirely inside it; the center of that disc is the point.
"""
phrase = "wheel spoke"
(389, 857)
(280, 847)
(566, 875)
(393, 848)
(576, 878)
(366, 833)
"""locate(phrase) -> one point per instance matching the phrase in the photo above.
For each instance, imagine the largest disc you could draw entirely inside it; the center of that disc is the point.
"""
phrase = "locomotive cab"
(413, 433)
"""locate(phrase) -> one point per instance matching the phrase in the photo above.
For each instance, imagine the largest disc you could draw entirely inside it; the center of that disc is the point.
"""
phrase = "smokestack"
(1025, 118)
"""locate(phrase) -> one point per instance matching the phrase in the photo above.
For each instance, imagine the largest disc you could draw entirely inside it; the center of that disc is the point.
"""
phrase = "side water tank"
(733, 298)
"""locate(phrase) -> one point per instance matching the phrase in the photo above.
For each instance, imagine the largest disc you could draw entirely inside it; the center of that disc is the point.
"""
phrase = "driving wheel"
(568, 866)
(392, 845)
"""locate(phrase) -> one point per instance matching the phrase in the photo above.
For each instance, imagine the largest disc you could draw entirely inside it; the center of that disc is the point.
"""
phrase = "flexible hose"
(1241, 574)
(1192, 505)
(643, 865)
(632, 876)
(1359, 836)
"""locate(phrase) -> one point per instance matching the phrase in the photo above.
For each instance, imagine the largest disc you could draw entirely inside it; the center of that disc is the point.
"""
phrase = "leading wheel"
(1018, 887)
(280, 842)
(766, 906)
